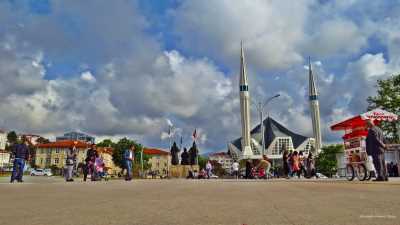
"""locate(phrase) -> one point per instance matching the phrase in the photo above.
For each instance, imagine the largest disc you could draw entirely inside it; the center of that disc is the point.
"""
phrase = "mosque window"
(279, 143)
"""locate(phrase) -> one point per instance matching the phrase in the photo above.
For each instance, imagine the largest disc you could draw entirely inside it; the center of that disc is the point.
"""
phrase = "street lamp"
(260, 108)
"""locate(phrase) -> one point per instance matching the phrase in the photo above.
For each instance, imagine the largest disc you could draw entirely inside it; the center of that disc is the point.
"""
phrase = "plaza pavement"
(48, 201)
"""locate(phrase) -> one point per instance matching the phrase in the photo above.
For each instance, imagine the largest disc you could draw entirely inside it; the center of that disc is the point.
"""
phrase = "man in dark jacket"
(375, 144)
(20, 153)
(90, 158)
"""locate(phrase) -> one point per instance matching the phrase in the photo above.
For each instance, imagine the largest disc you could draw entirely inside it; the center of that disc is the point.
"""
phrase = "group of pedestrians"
(93, 164)
(296, 164)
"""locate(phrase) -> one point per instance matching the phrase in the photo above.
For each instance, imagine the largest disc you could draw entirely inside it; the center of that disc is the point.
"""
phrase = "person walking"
(209, 169)
(20, 153)
(375, 146)
(235, 169)
(264, 165)
(296, 164)
(290, 163)
(71, 156)
(302, 165)
(90, 160)
(310, 166)
(285, 159)
(249, 167)
(128, 162)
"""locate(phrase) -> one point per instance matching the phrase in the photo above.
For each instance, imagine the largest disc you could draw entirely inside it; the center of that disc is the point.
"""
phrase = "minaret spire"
(314, 108)
(244, 106)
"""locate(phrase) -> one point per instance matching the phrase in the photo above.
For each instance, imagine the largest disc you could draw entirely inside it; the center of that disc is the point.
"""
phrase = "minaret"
(314, 108)
(244, 107)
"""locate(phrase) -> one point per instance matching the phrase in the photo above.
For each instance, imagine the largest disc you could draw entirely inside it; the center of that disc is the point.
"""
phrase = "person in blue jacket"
(128, 157)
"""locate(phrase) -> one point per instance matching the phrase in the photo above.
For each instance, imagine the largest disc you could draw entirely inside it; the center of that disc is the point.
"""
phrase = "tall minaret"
(314, 108)
(244, 107)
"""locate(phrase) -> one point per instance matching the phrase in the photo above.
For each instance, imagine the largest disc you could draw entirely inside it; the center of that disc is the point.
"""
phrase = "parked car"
(41, 172)
(321, 176)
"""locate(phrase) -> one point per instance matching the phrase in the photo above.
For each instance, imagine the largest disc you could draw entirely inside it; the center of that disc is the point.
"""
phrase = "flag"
(181, 141)
(195, 134)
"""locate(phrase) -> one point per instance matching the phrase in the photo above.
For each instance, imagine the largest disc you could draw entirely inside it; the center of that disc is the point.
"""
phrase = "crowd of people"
(93, 165)
(296, 164)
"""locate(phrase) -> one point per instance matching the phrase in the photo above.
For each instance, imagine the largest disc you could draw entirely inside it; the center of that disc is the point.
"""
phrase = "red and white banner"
(379, 114)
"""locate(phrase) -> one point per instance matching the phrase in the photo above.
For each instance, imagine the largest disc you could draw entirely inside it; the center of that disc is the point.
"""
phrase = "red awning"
(376, 115)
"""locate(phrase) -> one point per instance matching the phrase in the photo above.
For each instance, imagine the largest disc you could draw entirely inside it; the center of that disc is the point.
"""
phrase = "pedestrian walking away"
(128, 162)
(310, 166)
(235, 169)
(20, 153)
(71, 156)
(209, 169)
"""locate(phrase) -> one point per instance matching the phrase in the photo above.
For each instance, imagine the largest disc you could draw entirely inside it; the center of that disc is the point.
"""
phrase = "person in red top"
(295, 163)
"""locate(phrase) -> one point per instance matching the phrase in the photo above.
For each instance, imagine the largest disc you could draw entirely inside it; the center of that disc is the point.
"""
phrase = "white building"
(276, 138)
(222, 158)
(4, 159)
(3, 139)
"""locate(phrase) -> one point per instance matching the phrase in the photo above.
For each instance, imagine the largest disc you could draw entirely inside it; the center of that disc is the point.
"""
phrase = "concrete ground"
(42, 201)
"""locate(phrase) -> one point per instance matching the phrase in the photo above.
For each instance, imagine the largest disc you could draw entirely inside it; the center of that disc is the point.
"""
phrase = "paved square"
(42, 201)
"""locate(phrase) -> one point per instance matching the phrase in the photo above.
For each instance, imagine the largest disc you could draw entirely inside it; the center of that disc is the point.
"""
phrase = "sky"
(129, 68)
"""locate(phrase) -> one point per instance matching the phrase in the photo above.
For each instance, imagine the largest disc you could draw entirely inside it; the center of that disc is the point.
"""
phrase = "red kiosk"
(358, 162)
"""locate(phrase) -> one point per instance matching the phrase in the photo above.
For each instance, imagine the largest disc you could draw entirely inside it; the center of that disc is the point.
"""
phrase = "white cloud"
(137, 84)
(271, 30)
(87, 76)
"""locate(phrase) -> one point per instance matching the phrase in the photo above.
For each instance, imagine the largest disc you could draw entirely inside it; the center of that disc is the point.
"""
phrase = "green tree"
(202, 162)
(388, 98)
(106, 143)
(119, 149)
(12, 137)
(326, 162)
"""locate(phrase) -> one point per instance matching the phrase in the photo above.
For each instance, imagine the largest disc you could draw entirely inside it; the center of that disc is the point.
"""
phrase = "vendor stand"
(356, 131)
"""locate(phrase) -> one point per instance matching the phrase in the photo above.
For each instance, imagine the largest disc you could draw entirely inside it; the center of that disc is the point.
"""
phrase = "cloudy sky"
(123, 68)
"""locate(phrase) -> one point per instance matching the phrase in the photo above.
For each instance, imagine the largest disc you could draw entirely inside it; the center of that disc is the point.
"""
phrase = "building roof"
(64, 144)
(154, 151)
(272, 129)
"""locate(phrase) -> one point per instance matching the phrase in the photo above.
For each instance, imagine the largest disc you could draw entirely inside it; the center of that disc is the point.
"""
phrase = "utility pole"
(141, 162)
(260, 108)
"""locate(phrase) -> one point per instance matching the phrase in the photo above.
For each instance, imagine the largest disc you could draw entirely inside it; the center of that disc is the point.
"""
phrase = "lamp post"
(141, 162)
(260, 108)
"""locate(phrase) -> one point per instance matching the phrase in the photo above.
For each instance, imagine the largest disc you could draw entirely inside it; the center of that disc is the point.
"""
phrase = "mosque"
(276, 136)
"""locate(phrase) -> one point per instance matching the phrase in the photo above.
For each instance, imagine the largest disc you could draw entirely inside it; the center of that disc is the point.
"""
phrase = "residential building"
(76, 136)
(222, 158)
(160, 160)
(4, 159)
(54, 153)
(3, 139)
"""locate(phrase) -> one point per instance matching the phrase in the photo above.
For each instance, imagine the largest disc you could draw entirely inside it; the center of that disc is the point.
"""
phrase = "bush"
(326, 162)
